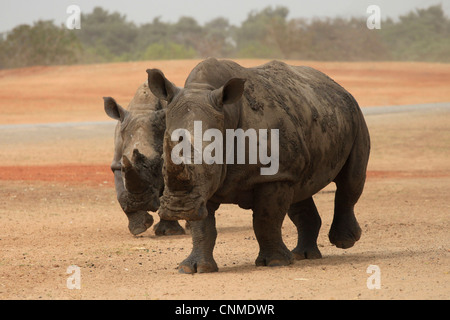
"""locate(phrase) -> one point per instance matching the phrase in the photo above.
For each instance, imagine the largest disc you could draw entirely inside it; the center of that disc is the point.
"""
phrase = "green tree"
(216, 39)
(167, 51)
(423, 35)
(343, 40)
(155, 32)
(43, 43)
(262, 33)
(187, 32)
(106, 35)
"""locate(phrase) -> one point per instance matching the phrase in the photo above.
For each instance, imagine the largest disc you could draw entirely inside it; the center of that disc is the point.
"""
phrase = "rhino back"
(317, 121)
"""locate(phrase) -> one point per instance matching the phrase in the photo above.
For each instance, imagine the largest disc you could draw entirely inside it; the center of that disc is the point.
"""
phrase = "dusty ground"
(58, 206)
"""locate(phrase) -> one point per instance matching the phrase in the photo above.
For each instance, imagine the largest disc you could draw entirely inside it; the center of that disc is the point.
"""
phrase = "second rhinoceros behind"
(137, 160)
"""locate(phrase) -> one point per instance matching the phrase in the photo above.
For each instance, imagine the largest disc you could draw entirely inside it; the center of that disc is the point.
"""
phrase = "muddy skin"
(137, 163)
(323, 138)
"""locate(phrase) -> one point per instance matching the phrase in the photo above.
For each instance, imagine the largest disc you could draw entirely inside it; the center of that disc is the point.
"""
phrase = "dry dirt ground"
(58, 206)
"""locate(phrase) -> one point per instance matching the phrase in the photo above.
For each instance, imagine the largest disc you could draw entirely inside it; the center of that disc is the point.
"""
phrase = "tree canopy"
(420, 35)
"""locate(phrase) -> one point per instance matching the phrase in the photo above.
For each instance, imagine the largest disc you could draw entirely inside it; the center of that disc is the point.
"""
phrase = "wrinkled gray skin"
(137, 160)
(323, 138)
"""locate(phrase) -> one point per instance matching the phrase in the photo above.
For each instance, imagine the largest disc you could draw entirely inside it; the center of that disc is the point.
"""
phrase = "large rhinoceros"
(318, 136)
(137, 160)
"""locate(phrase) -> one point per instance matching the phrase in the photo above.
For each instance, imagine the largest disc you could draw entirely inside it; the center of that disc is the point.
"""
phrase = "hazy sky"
(15, 12)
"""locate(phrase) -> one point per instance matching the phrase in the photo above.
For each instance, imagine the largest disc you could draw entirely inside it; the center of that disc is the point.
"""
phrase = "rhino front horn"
(133, 181)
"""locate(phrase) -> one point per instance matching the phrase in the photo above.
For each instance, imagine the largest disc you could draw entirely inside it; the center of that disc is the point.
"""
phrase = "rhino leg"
(307, 220)
(168, 228)
(204, 236)
(345, 230)
(271, 203)
(139, 222)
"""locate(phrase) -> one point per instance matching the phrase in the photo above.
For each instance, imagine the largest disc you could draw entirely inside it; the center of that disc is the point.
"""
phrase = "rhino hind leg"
(307, 220)
(168, 228)
(345, 230)
(271, 203)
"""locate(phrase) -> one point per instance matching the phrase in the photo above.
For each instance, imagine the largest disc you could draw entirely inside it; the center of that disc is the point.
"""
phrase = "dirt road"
(58, 209)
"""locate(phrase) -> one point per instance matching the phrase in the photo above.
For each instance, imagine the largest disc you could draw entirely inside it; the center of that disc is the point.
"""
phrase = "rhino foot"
(168, 228)
(139, 222)
(193, 264)
(344, 236)
(306, 253)
(280, 257)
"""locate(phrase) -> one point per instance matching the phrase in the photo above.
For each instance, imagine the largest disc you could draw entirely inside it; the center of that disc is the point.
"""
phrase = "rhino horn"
(138, 158)
(185, 174)
(179, 170)
(134, 183)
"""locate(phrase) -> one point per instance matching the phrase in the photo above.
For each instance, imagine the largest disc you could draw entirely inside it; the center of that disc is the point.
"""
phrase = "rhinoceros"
(321, 137)
(137, 161)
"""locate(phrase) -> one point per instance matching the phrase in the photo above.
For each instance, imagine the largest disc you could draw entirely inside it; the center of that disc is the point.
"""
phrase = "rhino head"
(188, 187)
(137, 163)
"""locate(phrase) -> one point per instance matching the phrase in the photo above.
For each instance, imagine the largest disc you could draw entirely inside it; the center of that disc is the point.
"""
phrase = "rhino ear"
(113, 109)
(160, 86)
(230, 92)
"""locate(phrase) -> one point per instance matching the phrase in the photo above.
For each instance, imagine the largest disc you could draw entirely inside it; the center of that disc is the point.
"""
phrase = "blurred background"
(35, 33)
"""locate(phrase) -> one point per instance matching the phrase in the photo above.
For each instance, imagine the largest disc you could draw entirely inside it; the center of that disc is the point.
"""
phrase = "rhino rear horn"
(138, 157)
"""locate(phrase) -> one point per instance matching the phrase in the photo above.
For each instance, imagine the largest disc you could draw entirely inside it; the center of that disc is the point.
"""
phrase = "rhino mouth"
(182, 206)
(148, 201)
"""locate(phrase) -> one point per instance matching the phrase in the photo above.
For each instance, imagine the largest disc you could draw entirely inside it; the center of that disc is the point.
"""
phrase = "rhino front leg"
(271, 203)
(204, 236)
